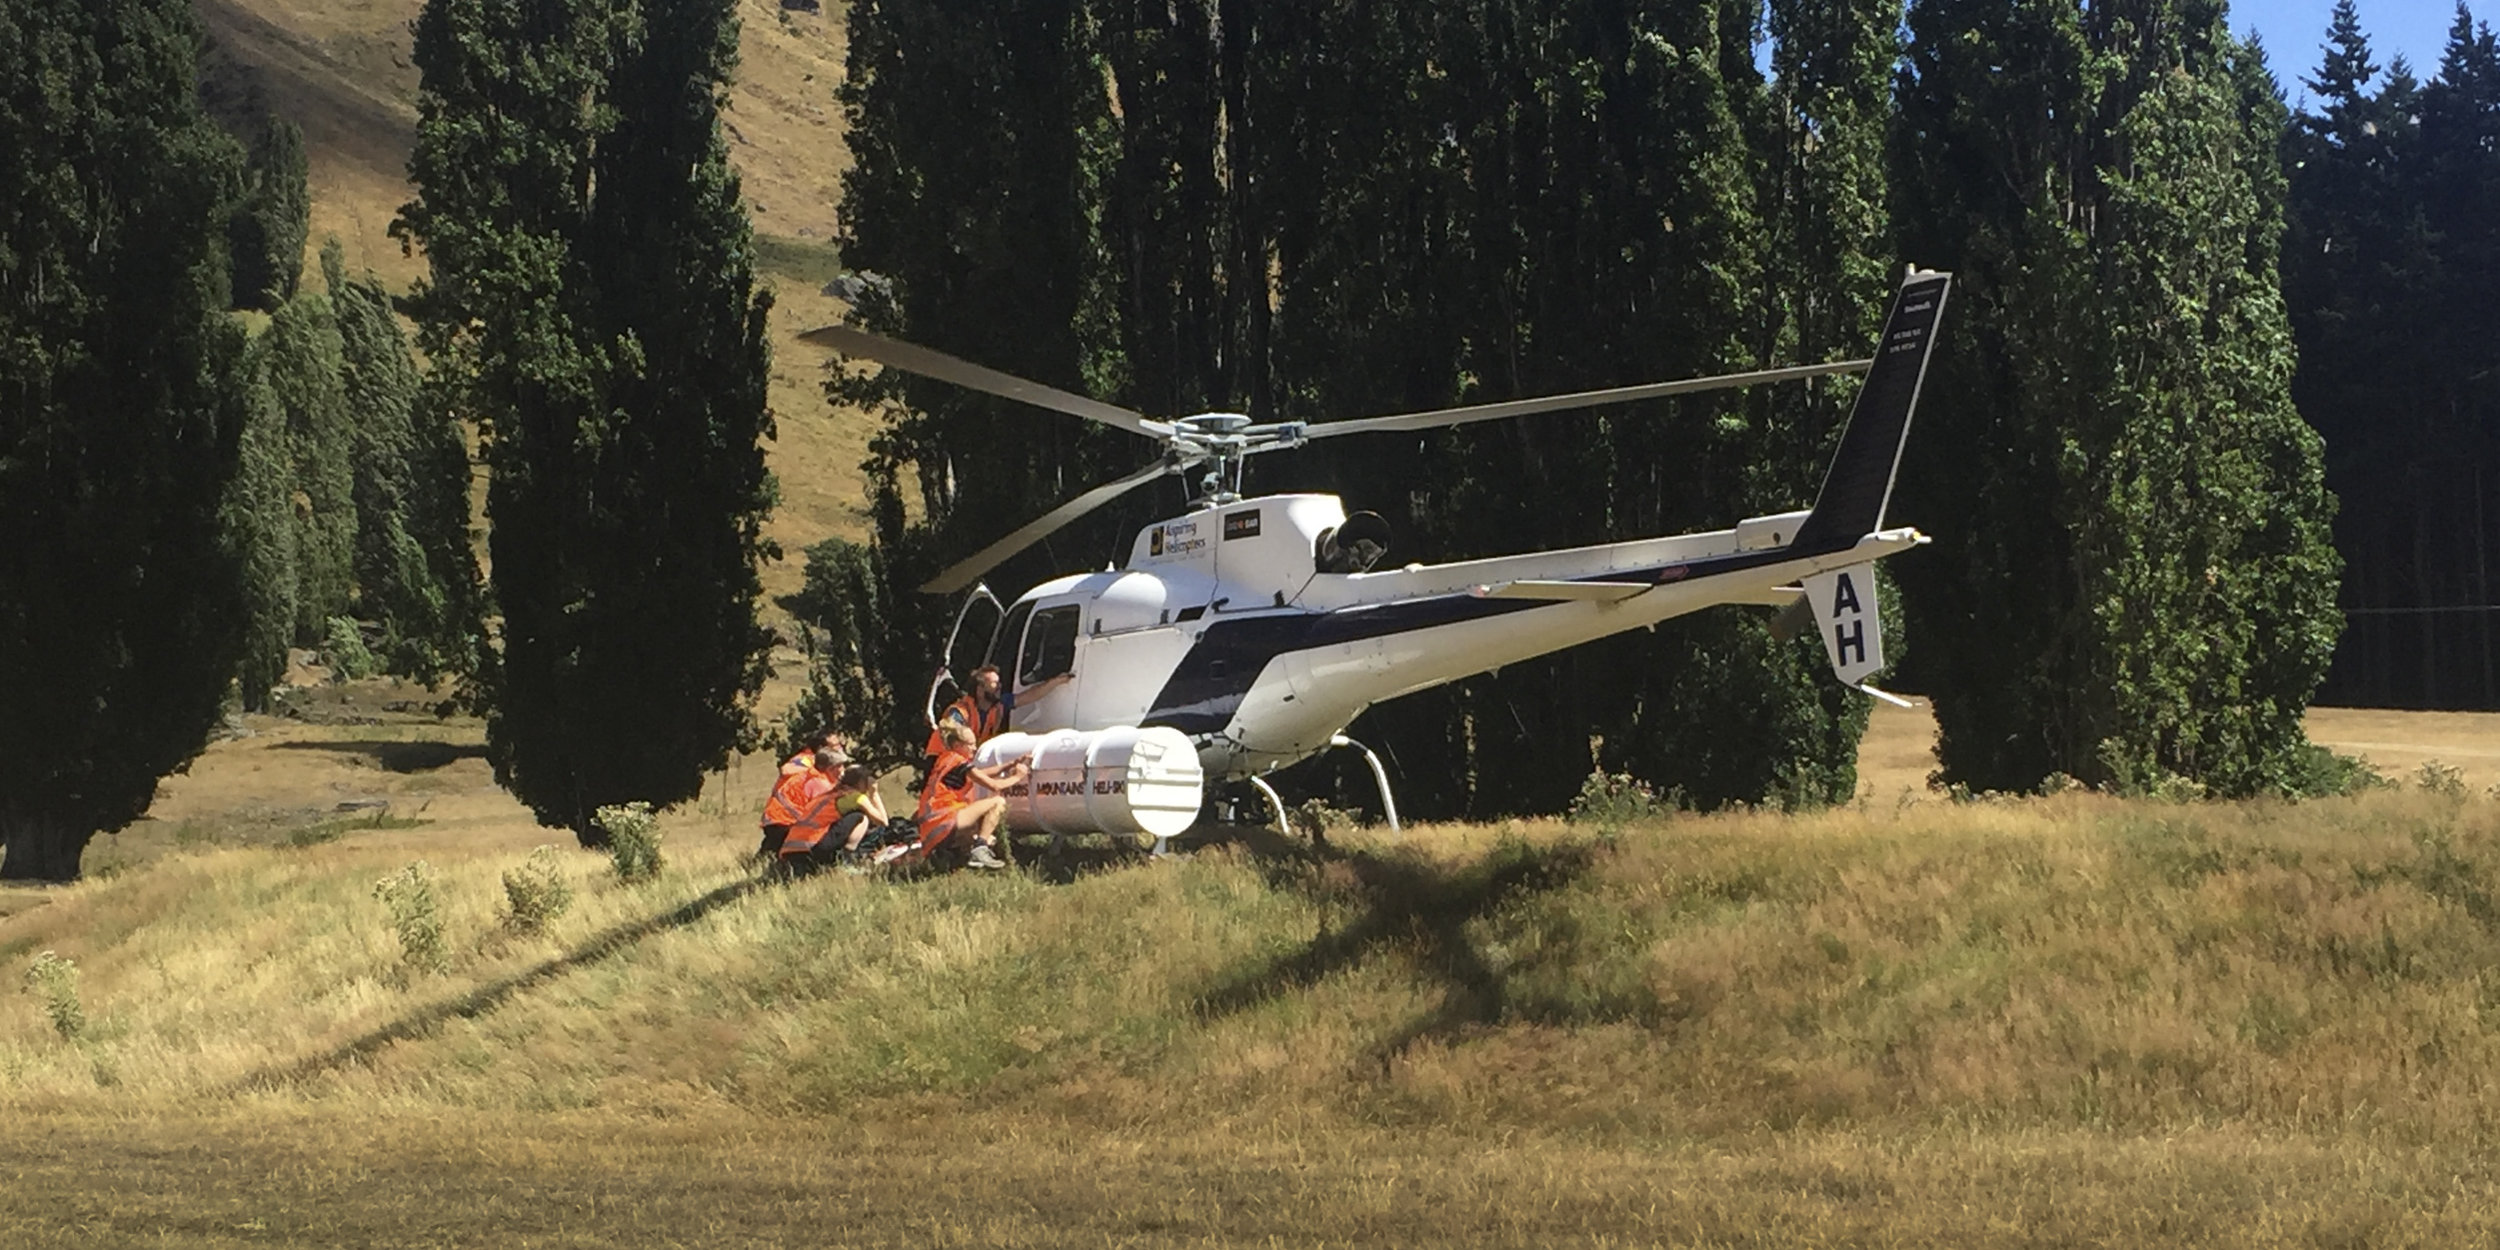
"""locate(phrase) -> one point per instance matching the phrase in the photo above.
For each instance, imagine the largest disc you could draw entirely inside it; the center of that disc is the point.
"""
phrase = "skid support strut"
(1275, 805)
(1388, 802)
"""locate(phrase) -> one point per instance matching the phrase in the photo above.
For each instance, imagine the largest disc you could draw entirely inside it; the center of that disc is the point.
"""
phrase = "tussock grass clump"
(55, 981)
(633, 840)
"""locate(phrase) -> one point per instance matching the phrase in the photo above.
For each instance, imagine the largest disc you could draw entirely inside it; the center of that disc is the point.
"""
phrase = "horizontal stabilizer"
(1775, 597)
(1577, 592)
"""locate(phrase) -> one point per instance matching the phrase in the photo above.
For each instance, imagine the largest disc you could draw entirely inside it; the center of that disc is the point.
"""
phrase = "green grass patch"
(798, 260)
(333, 830)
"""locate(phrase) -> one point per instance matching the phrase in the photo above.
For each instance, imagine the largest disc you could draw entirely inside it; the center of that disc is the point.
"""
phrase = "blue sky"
(2295, 30)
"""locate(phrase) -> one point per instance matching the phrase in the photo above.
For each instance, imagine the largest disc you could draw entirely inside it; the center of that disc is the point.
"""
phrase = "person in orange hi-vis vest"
(806, 758)
(793, 793)
(834, 823)
(951, 821)
(982, 709)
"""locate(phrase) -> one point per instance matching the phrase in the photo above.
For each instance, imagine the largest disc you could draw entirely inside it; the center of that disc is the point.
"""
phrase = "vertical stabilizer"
(1859, 482)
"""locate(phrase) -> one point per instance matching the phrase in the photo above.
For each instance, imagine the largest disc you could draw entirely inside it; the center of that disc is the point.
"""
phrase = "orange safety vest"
(818, 816)
(788, 802)
(949, 787)
(984, 726)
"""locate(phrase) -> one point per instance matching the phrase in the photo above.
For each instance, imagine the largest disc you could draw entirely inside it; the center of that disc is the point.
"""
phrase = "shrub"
(536, 893)
(55, 980)
(1610, 799)
(2445, 780)
(633, 840)
(2320, 773)
(1317, 818)
(416, 915)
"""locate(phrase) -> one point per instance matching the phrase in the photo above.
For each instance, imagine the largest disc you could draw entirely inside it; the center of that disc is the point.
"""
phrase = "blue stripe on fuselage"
(1206, 689)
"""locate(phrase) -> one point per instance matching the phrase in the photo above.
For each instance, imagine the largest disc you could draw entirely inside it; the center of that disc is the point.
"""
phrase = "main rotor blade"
(1578, 399)
(928, 363)
(962, 573)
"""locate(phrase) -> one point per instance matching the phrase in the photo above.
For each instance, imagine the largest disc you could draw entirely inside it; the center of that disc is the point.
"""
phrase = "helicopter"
(1256, 629)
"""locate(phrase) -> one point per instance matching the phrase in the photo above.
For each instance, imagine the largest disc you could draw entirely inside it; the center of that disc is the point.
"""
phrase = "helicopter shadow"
(1408, 905)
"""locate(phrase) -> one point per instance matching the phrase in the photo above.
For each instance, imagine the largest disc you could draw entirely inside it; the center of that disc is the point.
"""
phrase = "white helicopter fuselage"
(1223, 627)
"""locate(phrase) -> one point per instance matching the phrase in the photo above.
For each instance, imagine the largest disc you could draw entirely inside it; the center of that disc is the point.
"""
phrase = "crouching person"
(815, 806)
(857, 810)
(805, 779)
(954, 826)
(837, 817)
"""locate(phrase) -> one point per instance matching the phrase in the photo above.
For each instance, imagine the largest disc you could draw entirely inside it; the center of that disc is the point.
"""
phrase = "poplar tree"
(592, 307)
(271, 219)
(972, 213)
(300, 358)
(415, 576)
(260, 523)
(121, 409)
(2132, 581)
(1313, 211)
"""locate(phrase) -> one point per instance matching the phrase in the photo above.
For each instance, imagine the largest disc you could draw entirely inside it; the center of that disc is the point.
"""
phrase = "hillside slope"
(340, 70)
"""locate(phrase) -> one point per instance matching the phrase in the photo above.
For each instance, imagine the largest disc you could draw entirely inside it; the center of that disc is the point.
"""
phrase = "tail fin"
(1844, 606)
(1859, 483)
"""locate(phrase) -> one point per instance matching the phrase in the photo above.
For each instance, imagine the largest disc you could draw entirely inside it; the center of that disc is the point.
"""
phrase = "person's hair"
(956, 732)
(857, 777)
(825, 761)
(831, 738)
(990, 670)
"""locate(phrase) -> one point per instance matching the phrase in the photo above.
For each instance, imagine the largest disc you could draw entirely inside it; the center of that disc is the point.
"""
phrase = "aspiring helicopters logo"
(1173, 538)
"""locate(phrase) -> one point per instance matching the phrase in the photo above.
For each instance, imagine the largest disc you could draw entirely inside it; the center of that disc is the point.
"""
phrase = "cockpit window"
(1010, 633)
(1050, 645)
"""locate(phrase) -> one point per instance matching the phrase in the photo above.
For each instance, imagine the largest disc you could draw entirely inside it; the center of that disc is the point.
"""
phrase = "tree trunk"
(37, 851)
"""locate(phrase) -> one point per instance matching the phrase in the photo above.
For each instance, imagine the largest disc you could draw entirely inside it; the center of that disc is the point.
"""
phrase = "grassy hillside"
(2026, 1022)
(340, 70)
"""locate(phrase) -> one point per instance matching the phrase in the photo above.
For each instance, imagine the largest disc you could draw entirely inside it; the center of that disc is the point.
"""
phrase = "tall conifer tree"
(592, 305)
(415, 576)
(2132, 578)
(120, 413)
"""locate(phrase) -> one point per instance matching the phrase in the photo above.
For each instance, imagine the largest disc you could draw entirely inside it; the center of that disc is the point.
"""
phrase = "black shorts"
(827, 851)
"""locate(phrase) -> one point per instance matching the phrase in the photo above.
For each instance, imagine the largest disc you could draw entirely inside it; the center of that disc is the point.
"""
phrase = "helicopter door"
(954, 639)
(1049, 652)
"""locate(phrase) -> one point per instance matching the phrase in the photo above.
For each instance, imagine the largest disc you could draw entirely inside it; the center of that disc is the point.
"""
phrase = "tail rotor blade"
(1439, 417)
(912, 358)
(962, 573)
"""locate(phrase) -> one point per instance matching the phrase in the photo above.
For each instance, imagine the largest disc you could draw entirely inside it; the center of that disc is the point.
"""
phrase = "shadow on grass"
(1409, 903)
(489, 997)
(398, 757)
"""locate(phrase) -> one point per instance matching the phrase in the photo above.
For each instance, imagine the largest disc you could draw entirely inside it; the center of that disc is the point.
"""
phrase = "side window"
(1010, 632)
(1050, 646)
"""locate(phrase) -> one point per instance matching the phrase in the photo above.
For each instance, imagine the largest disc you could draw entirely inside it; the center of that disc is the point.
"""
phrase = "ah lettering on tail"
(1853, 630)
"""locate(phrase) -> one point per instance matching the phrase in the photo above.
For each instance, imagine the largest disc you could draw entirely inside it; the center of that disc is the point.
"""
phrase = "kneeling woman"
(953, 823)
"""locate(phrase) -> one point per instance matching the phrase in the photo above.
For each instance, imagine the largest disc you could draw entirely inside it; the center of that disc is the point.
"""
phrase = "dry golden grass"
(2019, 1023)
(256, 1176)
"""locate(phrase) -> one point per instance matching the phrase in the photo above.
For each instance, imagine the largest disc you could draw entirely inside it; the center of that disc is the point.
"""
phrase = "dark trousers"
(827, 851)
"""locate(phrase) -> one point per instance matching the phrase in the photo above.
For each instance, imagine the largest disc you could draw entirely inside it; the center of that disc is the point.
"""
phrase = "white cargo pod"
(1122, 780)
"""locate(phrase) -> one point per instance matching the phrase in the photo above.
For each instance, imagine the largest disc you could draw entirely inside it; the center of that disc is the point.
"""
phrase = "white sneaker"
(984, 857)
(888, 854)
